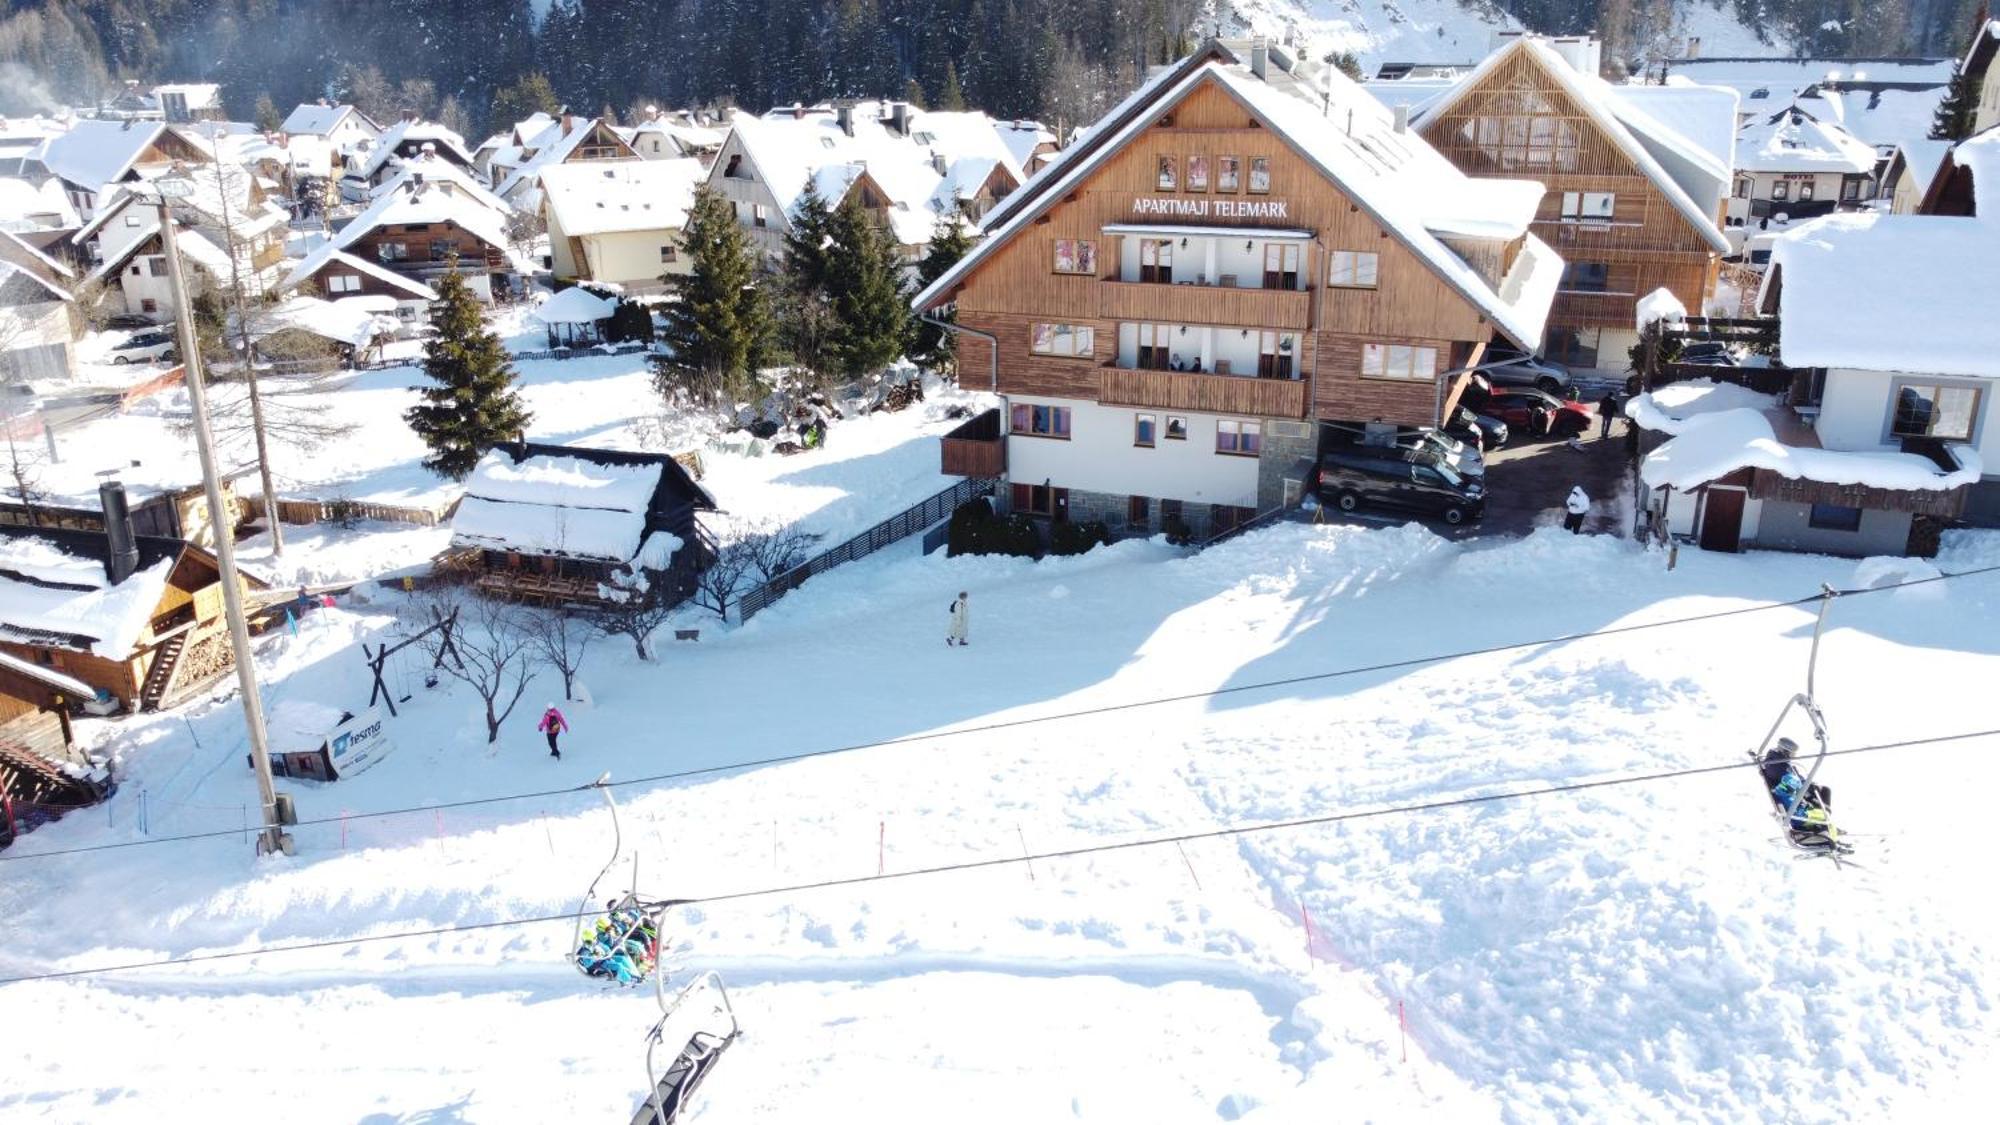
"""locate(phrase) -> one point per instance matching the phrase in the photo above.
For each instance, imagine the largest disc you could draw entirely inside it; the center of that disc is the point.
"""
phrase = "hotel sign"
(1184, 207)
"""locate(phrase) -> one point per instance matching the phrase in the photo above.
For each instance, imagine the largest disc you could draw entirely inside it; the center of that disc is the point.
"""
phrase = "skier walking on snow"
(958, 610)
(553, 724)
(1576, 507)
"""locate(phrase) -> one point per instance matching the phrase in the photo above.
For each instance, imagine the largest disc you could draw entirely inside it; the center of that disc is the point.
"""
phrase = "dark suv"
(1353, 477)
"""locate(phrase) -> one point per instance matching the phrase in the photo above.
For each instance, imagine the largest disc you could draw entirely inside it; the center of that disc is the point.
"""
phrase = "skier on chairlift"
(1811, 807)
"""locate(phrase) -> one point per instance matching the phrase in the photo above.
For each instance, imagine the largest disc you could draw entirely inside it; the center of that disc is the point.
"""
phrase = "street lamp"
(273, 838)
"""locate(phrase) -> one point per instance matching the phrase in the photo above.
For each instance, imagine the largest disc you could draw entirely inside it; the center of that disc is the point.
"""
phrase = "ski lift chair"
(1811, 840)
(698, 1025)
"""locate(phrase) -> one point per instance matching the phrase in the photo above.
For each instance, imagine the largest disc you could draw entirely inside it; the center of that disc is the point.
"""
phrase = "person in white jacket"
(958, 610)
(1577, 507)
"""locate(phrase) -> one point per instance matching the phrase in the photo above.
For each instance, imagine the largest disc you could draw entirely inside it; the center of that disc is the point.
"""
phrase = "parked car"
(1351, 478)
(1482, 431)
(1538, 412)
(145, 347)
(1506, 367)
(1416, 446)
(1708, 353)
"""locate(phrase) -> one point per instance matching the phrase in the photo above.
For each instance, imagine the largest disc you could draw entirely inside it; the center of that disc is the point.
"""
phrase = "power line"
(1008, 860)
(1031, 720)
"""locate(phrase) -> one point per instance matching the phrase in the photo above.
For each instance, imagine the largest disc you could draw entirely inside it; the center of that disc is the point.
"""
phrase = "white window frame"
(1353, 269)
(1398, 361)
(1062, 341)
(343, 283)
(1589, 206)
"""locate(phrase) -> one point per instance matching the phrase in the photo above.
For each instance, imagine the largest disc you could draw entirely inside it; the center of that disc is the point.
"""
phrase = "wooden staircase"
(161, 675)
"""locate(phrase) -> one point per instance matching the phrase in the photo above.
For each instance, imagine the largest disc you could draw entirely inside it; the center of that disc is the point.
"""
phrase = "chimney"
(652, 113)
(410, 115)
(1260, 56)
(1402, 119)
(899, 119)
(1693, 48)
(844, 113)
(937, 162)
(121, 546)
(568, 122)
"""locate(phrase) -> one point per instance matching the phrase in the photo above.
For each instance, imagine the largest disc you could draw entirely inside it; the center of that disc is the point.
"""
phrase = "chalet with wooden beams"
(1793, 163)
(95, 155)
(406, 239)
(1174, 306)
(1635, 179)
(136, 618)
(565, 525)
(570, 140)
(373, 163)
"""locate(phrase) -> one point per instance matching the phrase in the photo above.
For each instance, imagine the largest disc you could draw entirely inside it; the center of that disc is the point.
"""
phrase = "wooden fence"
(314, 511)
(903, 524)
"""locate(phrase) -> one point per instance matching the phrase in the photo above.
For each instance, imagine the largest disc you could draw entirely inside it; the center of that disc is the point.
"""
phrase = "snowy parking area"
(1638, 952)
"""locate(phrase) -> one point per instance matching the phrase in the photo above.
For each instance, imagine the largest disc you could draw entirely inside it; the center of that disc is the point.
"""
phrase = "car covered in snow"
(1538, 412)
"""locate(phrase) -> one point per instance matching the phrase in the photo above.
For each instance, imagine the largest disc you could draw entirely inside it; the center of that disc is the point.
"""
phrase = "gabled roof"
(1403, 183)
(322, 120)
(417, 132)
(558, 150)
(54, 589)
(327, 254)
(576, 503)
(98, 152)
(1794, 140)
(193, 245)
(1979, 52)
(622, 195)
(1968, 178)
(18, 250)
(1701, 183)
(432, 170)
(22, 199)
(22, 286)
(416, 204)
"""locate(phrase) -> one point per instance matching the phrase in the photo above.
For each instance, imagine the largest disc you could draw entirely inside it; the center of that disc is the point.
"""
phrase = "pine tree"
(865, 276)
(531, 95)
(952, 97)
(806, 323)
(1952, 120)
(471, 406)
(266, 114)
(718, 326)
(932, 347)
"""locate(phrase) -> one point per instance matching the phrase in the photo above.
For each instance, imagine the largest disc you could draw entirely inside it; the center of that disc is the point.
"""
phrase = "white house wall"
(632, 258)
(1855, 411)
(1100, 457)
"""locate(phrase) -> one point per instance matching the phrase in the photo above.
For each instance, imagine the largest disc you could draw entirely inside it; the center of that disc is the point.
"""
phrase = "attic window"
(826, 142)
(924, 138)
(1759, 92)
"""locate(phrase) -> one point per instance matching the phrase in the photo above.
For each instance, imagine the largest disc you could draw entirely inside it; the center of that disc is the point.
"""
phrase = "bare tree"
(560, 636)
(23, 465)
(524, 230)
(759, 552)
(496, 656)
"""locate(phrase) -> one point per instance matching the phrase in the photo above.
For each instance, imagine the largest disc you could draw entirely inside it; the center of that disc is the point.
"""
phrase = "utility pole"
(242, 301)
(273, 838)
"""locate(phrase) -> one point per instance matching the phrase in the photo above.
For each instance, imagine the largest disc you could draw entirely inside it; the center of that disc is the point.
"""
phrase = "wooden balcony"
(1214, 394)
(1288, 309)
(976, 448)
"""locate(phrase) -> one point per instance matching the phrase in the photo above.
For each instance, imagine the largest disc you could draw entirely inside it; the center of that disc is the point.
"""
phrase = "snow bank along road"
(1642, 952)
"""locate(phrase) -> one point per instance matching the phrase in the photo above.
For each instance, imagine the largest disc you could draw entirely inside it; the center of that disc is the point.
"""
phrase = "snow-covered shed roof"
(1926, 304)
(1396, 176)
(96, 152)
(1979, 156)
(1719, 428)
(1688, 174)
(622, 195)
(1773, 81)
(1704, 116)
(54, 589)
(321, 120)
(557, 500)
(575, 305)
(19, 286)
(1794, 140)
(333, 320)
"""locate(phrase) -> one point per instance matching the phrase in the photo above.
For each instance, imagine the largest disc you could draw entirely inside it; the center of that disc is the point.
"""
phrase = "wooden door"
(1722, 520)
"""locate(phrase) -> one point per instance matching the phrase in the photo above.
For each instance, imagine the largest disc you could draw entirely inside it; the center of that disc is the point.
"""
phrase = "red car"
(1526, 409)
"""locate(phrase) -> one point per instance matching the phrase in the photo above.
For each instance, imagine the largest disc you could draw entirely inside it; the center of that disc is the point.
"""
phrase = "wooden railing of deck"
(1286, 309)
(1213, 394)
(976, 448)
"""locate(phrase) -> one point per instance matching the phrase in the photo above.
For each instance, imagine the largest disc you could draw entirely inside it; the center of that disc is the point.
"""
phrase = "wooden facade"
(1016, 286)
(1521, 123)
(425, 251)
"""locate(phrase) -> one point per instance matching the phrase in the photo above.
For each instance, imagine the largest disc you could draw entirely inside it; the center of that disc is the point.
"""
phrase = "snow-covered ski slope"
(1633, 953)
(1451, 31)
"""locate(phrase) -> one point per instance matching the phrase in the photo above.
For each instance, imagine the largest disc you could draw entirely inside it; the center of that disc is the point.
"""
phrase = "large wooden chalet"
(565, 525)
(409, 237)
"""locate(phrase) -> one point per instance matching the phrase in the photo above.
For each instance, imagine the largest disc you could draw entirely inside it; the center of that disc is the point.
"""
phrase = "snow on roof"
(546, 504)
(1685, 172)
(1794, 140)
(1660, 304)
(431, 169)
(1980, 155)
(575, 305)
(552, 148)
(47, 675)
(1396, 176)
(417, 132)
(1884, 117)
(1704, 116)
(326, 254)
(192, 244)
(414, 204)
(297, 725)
(1022, 138)
(199, 95)
(97, 152)
(22, 246)
(1780, 78)
(22, 202)
(342, 323)
(1921, 159)
(1926, 305)
(322, 120)
(622, 195)
(1710, 445)
(45, 590)
(9, 271)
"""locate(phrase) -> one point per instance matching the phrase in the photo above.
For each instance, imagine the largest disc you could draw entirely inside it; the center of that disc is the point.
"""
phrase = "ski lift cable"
(1035, 720)
(1225, 832)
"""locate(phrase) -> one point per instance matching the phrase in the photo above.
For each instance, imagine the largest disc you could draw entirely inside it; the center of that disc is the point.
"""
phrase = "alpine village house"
(1183, 303)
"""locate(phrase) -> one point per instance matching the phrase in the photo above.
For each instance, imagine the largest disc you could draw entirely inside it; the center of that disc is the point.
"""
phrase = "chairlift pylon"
(1805, 819)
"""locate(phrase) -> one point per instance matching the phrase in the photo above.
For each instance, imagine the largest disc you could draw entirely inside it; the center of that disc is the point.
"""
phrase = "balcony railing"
(976, 448)
(1288, 309)
(1214, 394)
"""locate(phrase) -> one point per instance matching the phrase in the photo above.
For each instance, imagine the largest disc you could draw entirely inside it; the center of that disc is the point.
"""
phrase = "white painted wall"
(1208, 259)
(149, 283)
(1681, 511)
(1855, 412)
(1100, 457)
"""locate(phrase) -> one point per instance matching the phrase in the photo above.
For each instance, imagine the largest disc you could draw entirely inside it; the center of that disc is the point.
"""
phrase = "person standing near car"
(1575, 508)
(1607, 412)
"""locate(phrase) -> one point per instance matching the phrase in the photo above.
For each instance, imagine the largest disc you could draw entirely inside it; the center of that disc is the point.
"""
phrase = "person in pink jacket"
(553, 724)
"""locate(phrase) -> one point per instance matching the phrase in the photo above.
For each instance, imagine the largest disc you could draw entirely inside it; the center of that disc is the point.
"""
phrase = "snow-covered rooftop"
(96, 152)
(575, 305)
(1710, 444)
(570, 506)
(1794, 140)
(322, 120)
(434, 169)
(335, 320)
(1980, 155)
(46, 590)
(25, 205)
(1888, 293)
(417, 132)
(552, 149)
(622, 195)
(413, 204)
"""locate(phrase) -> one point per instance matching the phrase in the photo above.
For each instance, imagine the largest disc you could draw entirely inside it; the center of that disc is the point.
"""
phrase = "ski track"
(1645, 952)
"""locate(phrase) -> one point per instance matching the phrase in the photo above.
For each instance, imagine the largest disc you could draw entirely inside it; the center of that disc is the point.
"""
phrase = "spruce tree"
(471, 405)
(531, 95)
(805, 300)
(1952, 120)
(952, 97)
(932, 347)
(865, 276)
(718, 327)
